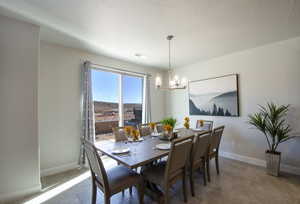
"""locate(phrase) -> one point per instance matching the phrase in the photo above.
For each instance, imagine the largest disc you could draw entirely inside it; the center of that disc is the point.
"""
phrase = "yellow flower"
(135, 134)
(168, 128)
(187, 125)
(128, 129)
(152, 125)
(187, 119)
(201, 123)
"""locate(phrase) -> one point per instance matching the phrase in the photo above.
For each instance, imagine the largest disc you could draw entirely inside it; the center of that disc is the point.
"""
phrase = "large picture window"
(118, 101)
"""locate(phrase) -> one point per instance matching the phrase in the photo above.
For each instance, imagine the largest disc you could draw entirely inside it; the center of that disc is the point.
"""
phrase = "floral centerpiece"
(187, 122)
(169, 121)
(135, 134)
(201, 122)
(127, 130)
(168, 126)
(152, 126)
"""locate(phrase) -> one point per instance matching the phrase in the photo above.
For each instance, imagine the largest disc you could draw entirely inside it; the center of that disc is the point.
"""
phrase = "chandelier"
(174, 81)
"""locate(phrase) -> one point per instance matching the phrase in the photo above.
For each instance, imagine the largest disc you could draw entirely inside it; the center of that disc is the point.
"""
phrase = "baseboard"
(4, 197)
(259, 162)
(59, 169)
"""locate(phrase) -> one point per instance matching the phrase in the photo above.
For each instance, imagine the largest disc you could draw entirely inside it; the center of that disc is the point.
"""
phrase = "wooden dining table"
(140, 154)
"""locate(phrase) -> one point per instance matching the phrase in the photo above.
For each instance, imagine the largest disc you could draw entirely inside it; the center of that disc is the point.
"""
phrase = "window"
(132, 99)
(118, 101)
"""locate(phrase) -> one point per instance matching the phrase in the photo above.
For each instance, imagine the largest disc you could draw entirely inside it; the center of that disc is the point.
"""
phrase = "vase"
(273, 162)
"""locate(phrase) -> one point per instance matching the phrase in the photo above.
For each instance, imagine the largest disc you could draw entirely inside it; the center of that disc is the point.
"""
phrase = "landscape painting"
(214, 97)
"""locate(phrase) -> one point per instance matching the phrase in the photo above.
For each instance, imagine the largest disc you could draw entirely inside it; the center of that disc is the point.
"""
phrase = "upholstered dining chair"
(213, 151)
(207, 124)
(198, 157)
(112, 181)
(144, 129)
(184, 132)
(166, 174)
(119, 134)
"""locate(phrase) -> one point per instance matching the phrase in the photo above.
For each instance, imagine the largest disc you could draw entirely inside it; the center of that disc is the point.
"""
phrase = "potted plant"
(168, 125)
(169, 121)
(271, 121)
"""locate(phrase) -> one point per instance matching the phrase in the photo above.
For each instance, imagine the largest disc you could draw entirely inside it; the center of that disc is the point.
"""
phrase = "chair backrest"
(207, 124)
(159, 127)
(178, 156)
(200, 147)
(182, 132)
(215, 139)
(119, 134)
(144, 129)
(95, 163)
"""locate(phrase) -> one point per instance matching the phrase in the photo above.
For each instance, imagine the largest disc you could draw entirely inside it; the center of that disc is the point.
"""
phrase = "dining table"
(140, 153)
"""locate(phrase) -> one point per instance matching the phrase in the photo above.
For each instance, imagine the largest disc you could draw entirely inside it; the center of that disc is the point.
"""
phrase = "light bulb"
(158, 81)
(183, 81)
(172, 83)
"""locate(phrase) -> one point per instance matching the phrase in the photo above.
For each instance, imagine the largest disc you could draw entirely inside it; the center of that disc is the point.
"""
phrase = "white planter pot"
(273, 163)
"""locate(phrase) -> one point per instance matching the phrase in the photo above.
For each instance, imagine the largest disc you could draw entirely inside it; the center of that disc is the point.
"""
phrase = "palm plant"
(271, 121)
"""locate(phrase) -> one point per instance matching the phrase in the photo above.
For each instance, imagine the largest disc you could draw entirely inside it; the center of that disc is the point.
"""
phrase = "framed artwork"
(214, 96)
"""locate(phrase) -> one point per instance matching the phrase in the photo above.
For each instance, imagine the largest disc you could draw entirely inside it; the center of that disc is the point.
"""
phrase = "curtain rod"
(114, 69)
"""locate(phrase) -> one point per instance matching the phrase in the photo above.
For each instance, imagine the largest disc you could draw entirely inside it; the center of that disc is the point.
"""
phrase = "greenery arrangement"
(271, 120)
(169, 121)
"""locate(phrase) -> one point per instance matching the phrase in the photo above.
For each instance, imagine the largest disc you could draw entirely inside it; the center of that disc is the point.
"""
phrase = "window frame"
(121, 74)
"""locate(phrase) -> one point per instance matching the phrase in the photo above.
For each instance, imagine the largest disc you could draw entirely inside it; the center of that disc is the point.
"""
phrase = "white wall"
(19, 150)
(267, 73)
(59, 102)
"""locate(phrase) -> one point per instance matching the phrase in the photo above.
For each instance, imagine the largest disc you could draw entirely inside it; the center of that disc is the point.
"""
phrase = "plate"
(155, 134)
(163, 146)
(121, 151)
(197, 129)
(139, 140)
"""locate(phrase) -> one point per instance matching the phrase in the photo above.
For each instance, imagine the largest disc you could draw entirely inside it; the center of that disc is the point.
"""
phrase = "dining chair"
(165, 174)
(198, 157)
(112, 181)
(159, 127)
(119, 134)
(184, 132)
(207, 124)
(213, 151)
(144, 129)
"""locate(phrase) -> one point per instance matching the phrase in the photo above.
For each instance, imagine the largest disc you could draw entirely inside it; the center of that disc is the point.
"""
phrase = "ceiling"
(203, 29)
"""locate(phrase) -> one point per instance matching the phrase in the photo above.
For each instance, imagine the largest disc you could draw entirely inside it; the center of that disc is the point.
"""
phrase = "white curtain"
(146, 101)
(87, 109)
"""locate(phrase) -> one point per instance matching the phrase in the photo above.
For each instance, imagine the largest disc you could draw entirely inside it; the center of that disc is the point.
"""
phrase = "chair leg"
(141, 192)
(94, 193)
(207, 169)
(192, 183)
(184, 187)
(217, 164)
(166, 196)
(106, 199)
(204, 176)
(130, 190)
